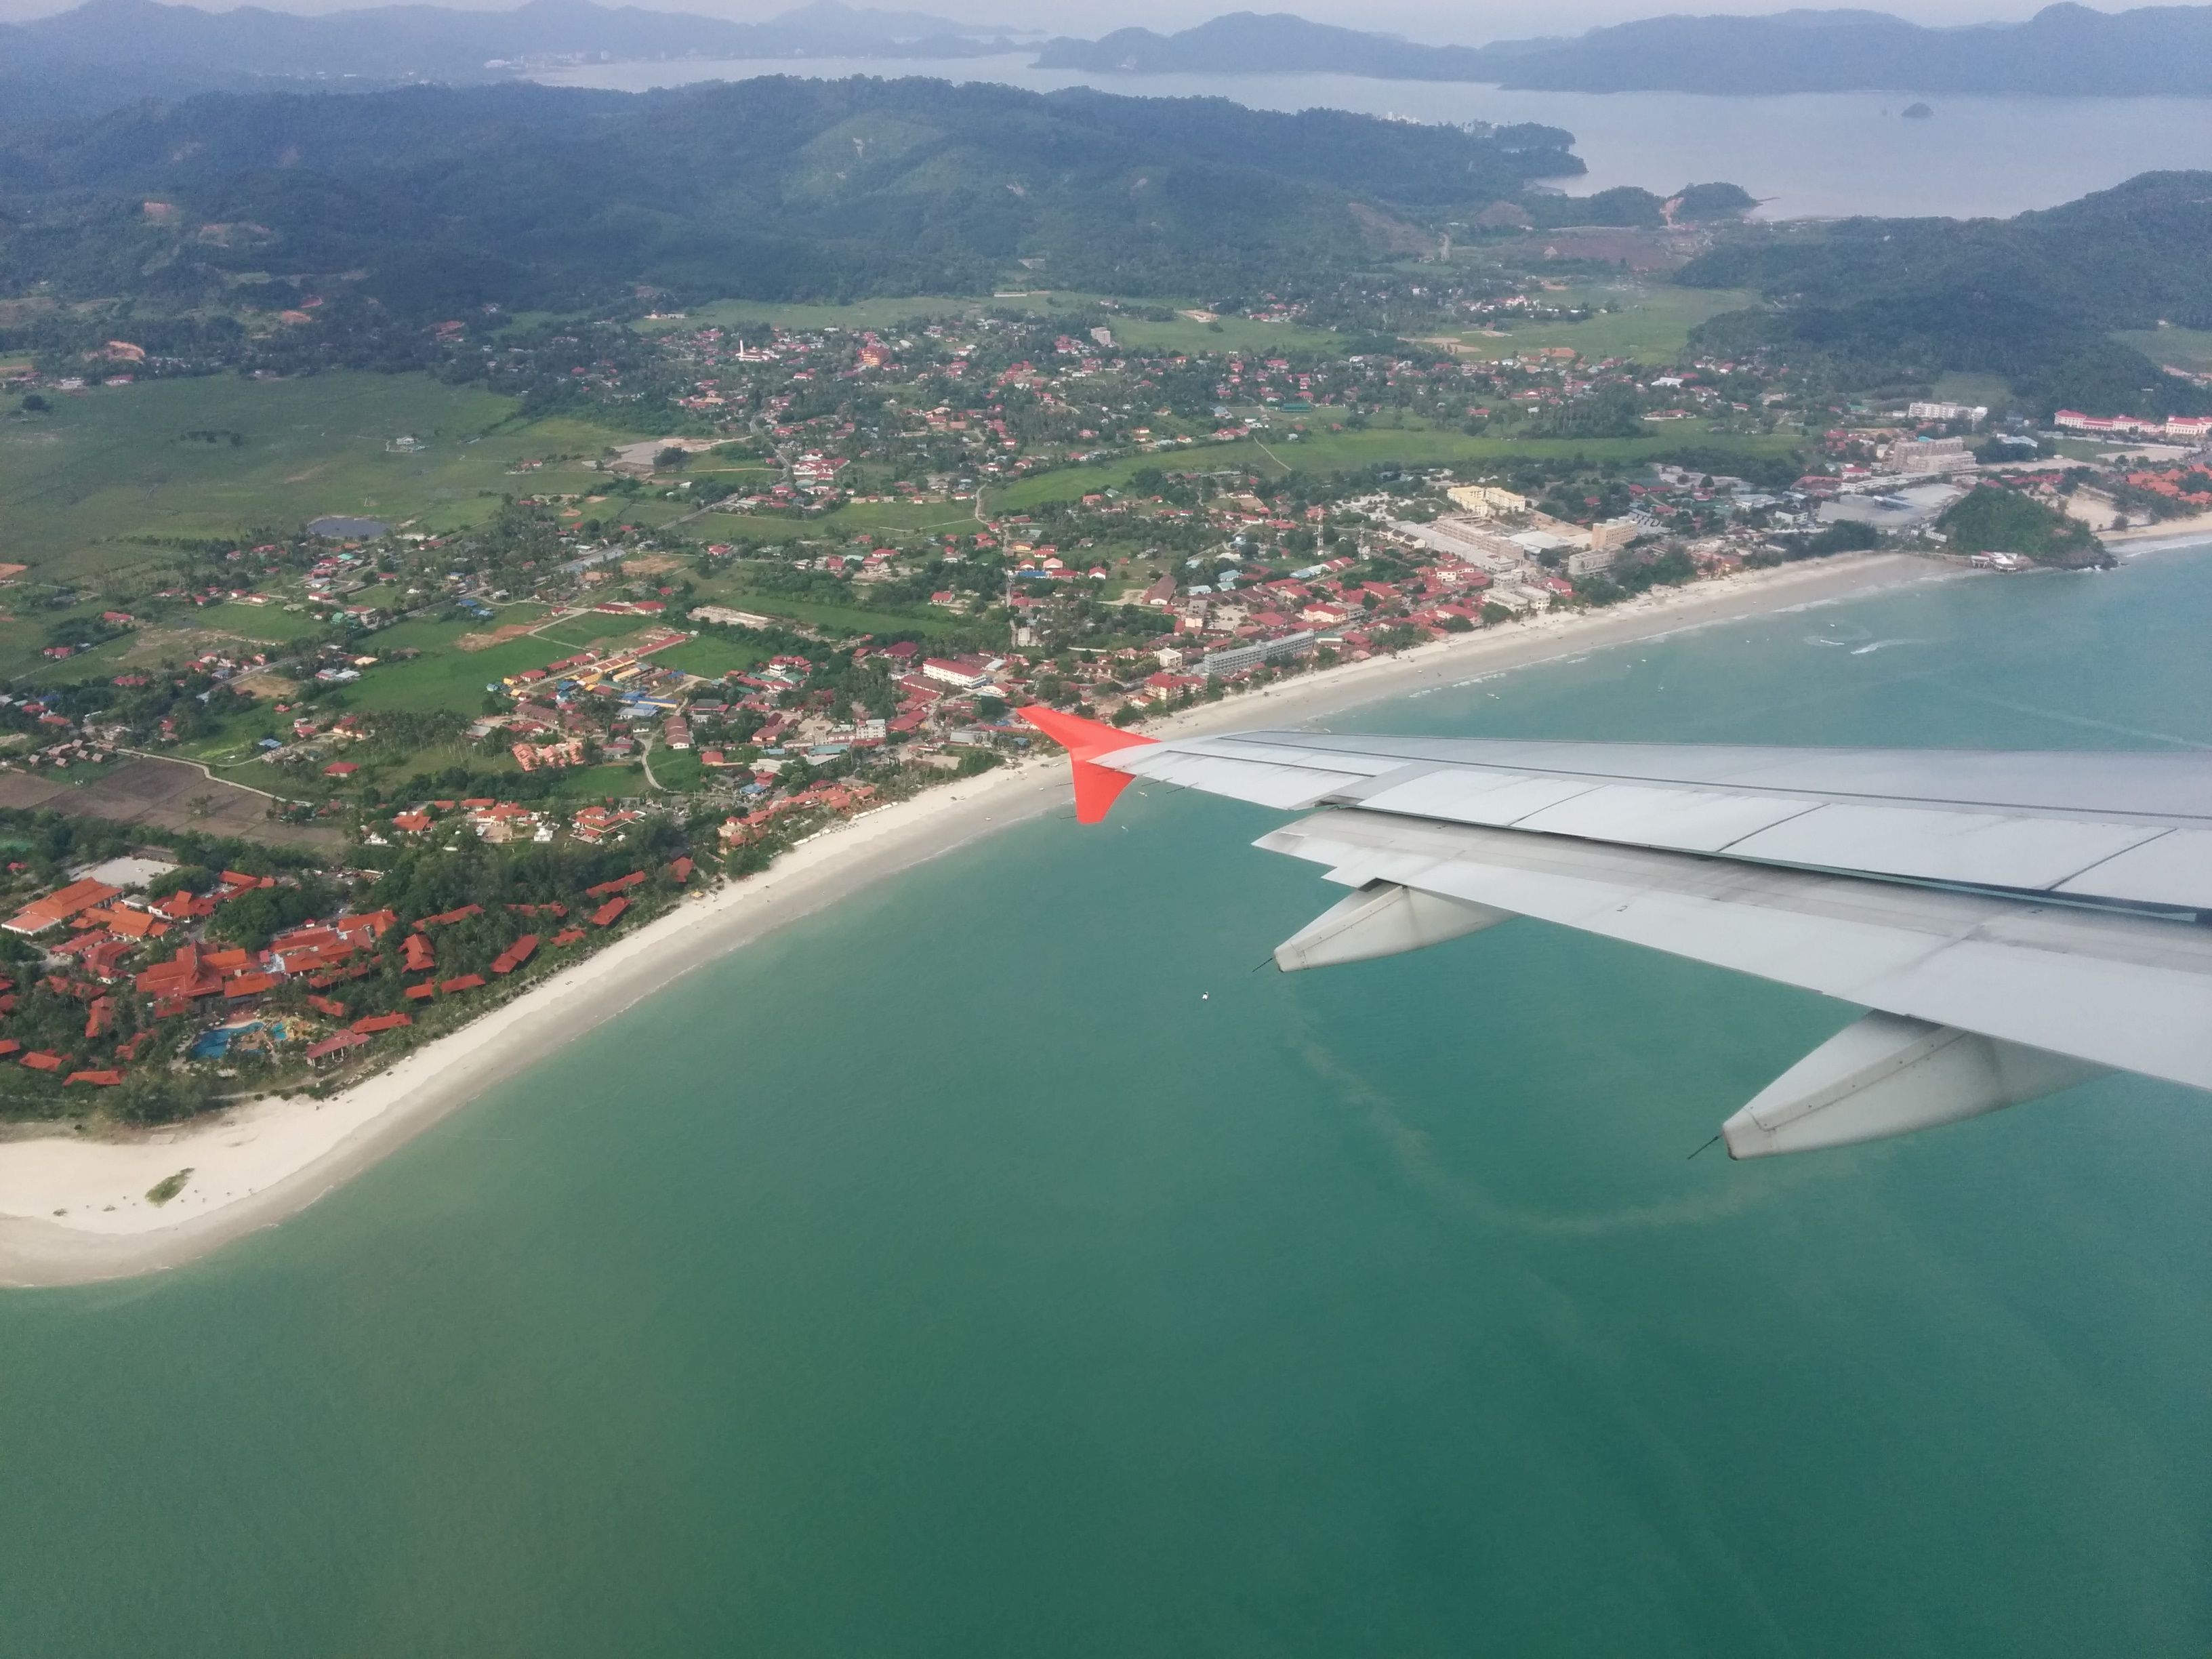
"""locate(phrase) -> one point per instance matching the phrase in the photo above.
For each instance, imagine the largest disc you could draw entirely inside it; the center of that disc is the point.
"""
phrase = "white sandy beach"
(73, 1208)
(2159, 538)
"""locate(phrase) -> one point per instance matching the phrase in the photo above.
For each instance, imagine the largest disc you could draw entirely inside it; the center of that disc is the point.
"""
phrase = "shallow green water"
(946, 1277)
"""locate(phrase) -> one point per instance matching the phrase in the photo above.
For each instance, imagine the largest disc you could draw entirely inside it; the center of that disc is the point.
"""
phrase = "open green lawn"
(1991, 391)
(680, 770)
(894, 518)
(114, 462)
(593, 783)
(588, 629)
(109, 658)
(269, 624)
(2184, 348)
(422, 633)
(1276, 452)
(1180, 334)
(861, 313)
(172, 638)
(448, 679)
(1648, 322)
(854, 519)
(820, 613)
(709, 656)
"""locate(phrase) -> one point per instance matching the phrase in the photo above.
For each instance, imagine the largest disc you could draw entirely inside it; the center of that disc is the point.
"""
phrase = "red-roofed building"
(337, 1044)
(447, 918)
(177, 981)
(58, 907)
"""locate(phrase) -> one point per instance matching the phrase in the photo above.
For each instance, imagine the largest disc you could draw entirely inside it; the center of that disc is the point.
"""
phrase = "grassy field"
(589, 629)
(267, 624)
(869, 518)
(679, 771)
(861, 313)
(448, 678)
(819, 613)
(709, 657)
(115, 462)
(855, 520)
(1989, 391)
(176, 640)
(600, 783)
(431, 634)
(1650, 323)
(2184, 348)
(1337, 452)
(1181, 334)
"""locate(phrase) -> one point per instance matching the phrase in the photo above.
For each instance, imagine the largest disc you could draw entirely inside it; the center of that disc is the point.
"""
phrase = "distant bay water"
(1806, 155)
(997, 1265)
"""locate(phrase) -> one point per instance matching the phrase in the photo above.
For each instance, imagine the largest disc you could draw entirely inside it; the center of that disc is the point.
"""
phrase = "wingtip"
(1083, 738)
(1097, 787)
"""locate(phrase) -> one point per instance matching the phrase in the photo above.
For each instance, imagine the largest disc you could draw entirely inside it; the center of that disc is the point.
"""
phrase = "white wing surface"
(2015, 921)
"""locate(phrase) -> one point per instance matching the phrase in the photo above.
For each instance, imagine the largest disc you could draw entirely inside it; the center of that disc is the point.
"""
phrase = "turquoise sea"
(998, 1264)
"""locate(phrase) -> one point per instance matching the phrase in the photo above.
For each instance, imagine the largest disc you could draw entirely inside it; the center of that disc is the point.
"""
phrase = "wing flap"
(2120, 991)
(2174, 868)
(1725, 802)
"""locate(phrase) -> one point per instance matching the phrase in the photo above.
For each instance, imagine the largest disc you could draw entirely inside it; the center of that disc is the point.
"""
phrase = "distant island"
(2063, 48)
(105, 53)
(108, 54)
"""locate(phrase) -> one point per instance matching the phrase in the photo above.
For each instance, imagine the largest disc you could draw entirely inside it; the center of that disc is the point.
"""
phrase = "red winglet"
(1096, 787)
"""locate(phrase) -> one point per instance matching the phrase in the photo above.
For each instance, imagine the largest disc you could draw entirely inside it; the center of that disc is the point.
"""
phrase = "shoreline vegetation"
(75, 1208)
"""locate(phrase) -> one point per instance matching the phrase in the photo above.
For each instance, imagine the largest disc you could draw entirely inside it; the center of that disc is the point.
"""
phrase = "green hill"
(1993, 521)
(534, 197)
(2034, 299)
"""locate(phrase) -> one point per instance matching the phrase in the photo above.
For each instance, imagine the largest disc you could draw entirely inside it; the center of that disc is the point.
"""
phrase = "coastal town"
(494, 748)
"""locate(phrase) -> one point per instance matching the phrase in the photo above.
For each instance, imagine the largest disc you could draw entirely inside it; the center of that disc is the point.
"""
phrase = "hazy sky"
(1425, 20)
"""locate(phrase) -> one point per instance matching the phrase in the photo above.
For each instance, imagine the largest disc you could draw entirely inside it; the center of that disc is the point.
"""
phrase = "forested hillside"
(533, 197)
(2031, 298)
(2065, 50)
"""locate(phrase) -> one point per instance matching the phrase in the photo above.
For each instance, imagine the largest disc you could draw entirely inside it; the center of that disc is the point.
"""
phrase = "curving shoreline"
(74, 1209)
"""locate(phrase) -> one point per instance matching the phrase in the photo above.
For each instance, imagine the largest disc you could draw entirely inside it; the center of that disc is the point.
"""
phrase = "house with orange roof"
(59, 906)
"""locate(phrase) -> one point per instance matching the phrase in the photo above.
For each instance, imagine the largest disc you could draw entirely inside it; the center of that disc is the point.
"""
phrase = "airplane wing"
(2014, 922)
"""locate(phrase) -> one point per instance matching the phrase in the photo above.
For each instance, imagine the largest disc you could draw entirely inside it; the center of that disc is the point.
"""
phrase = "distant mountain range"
(2063, 48)
(394, 44)
(109, 52)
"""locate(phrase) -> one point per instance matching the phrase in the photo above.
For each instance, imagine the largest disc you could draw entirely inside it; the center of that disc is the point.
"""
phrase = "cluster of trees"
(1871, 302)
(1990, 519)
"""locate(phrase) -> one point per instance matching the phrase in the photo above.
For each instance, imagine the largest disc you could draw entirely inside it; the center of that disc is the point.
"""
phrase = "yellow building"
(1485, 499)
